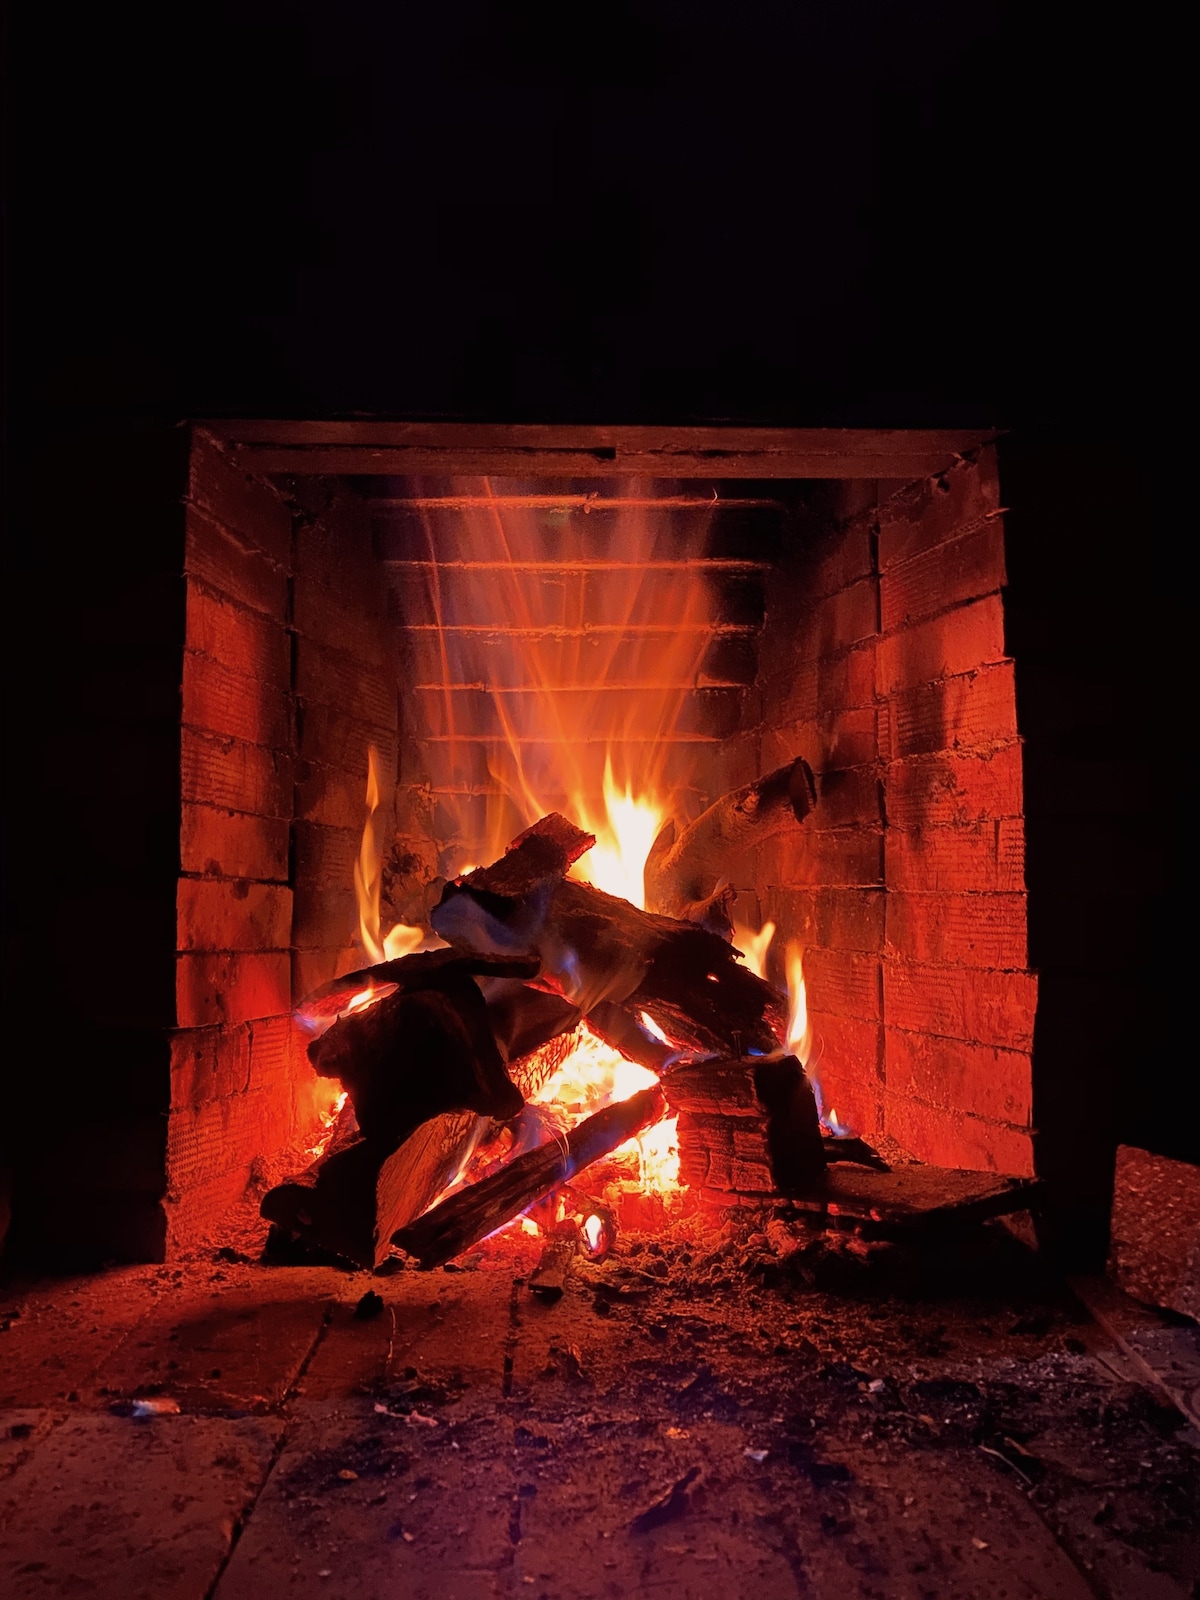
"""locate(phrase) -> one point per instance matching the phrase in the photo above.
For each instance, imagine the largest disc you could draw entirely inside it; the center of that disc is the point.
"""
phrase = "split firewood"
(412, 1177)
(416, 971)
(747, 1127)
(686, 870)
(515, 891)
(331, 1207)
(522, 1018)
(474, 1212)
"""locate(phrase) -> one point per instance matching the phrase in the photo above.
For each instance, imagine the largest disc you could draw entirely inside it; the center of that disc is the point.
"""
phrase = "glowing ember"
(595, 1075)
(328, 1118)
(593, 1232)
(754, 946)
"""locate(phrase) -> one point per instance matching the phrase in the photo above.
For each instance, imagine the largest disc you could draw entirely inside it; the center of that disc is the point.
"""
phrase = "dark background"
(949, 212)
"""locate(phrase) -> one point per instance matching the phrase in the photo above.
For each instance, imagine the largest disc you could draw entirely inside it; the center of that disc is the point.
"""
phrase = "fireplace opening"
(336, 670)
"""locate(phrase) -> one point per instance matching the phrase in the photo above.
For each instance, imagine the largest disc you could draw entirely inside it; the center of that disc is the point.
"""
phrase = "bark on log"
(328, 1002)
(685, 871)
(473, 1213)
(619, 1028)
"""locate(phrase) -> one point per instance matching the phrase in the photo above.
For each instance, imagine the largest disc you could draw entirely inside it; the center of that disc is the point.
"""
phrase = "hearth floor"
(842, 1423)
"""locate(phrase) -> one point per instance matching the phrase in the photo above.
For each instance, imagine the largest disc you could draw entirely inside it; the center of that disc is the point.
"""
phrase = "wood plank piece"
(919, 1196)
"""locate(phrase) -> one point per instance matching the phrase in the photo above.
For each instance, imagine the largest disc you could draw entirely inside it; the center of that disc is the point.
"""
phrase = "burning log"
(685, 872)
(471, 1214)
(620, 1029)
(424, 1049)
(747, 1127)
(598, 948)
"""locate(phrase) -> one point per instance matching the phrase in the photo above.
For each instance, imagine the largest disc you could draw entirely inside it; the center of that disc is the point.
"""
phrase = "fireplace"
(696, 607)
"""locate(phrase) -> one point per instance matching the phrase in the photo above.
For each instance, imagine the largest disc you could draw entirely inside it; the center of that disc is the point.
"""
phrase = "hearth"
(451, 631)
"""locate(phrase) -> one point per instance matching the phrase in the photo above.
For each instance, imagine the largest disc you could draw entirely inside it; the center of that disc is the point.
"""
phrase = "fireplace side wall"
(883, 663)
(283, 692)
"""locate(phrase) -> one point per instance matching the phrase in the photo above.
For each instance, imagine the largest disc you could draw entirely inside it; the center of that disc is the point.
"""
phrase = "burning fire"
(754, 946)
(799, 1033)
(327, 1120)
(400, 940)
(595, 1075)
(616, 862)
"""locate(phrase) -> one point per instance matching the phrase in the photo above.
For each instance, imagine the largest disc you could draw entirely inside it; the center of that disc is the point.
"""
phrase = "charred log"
(685, 870)
(419, 1052)
(619, 1028)
(473, 1213)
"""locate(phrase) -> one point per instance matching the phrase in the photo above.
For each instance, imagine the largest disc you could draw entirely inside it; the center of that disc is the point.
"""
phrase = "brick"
(331, 796)
(231, 987)
(959, 1076)
(981, 1006)
(932, 511)
(965, 569)
(335, 548)
(950, 1139)
(846, 798)
(232, 914)
(242, 640)
(834, 742)
(799, 858)
(839, 561)
(972, 856)
(342, 741)
(835, 919)
(325, 919)
(843, 1049)
(323, 614)
(227, 564)
(851, 1098)
(243, 504)
(978, 930)
(324, 857)
(835, 623)
(311, 968)
(935, 791)
(333, 677)
(208, 1064)
(842, 982)
(231, 844)
(235, 776)
(962, 640)
(219, 700)
(974, 711)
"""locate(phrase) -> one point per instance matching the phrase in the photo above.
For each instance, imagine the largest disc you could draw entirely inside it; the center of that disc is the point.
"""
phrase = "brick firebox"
(266, 661)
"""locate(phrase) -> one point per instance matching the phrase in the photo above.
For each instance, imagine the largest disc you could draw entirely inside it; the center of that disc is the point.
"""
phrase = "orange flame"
(799, 1032)
(561, 646)
(400, 940)
(754, 946)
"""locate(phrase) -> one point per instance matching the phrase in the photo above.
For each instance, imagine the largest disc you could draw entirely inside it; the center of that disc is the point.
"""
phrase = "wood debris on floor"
(751, 1409)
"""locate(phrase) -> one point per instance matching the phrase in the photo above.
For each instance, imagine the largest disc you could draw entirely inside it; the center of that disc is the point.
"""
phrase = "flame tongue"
(799, 1033)
(401, 940)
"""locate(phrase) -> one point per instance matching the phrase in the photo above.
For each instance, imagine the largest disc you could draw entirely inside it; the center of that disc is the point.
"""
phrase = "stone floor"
(699, 1417)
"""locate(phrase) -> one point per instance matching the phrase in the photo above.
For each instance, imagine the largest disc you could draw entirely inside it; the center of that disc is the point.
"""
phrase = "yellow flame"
(616, 862)
(799, 1034)
(593, 1231)
(754, 946)
(653, 1028)
(595, 1075)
